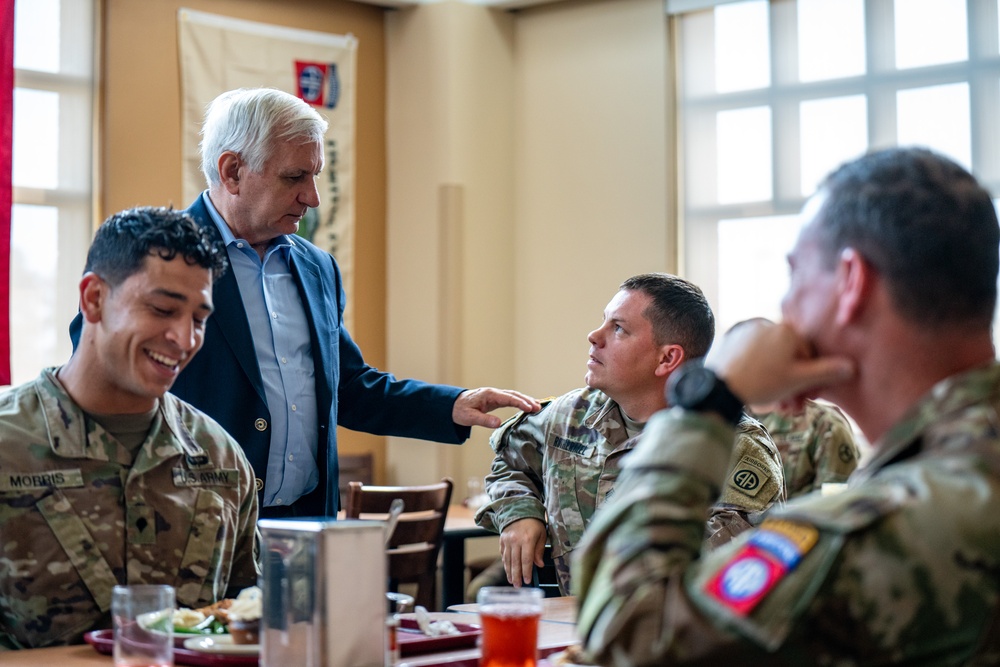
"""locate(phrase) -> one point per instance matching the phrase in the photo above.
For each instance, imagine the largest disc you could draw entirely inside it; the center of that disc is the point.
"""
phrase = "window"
(52, 157)
(774, 94)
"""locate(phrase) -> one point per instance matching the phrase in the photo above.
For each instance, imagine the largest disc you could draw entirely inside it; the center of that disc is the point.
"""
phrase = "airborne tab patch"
(749, 476)
(772, 552)
(228, 477)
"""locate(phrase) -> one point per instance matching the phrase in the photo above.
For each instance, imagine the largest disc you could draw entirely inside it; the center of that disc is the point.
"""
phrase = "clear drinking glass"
(510, 625)
(143, 625)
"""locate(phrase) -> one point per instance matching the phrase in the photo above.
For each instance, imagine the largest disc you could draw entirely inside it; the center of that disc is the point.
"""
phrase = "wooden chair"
(355, 468)
(413, 549)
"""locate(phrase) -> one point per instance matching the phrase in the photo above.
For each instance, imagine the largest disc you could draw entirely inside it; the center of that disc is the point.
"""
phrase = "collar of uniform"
(67, 425)
(606, 405)
(949, 396)
(65, 421)
(172, 421)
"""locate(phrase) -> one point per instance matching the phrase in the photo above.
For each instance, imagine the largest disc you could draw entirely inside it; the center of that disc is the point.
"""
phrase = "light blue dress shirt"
(283, 345)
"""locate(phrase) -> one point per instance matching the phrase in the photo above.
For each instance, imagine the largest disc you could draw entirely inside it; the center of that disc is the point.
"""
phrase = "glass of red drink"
(510, 625)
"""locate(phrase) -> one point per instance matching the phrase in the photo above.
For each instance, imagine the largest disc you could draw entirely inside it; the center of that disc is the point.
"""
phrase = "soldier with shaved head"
(554, 469)
(888, 315)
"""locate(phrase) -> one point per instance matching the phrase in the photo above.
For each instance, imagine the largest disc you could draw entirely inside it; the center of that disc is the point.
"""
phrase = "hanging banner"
(219, 53)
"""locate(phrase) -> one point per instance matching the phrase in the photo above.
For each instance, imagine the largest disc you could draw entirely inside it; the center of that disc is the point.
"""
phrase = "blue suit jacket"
(224, 380)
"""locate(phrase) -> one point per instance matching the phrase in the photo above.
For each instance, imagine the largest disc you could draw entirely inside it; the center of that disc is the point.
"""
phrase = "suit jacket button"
(260, 424)
(259, 483)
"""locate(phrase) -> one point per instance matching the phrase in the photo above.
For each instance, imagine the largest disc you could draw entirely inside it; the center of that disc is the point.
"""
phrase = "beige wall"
(140, 133)
(551, 126)
(592, 175)
(451, 214)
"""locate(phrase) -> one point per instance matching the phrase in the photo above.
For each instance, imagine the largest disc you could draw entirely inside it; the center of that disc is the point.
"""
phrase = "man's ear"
(855, 281)
(229, 171)
(671, 357)
(93, 292)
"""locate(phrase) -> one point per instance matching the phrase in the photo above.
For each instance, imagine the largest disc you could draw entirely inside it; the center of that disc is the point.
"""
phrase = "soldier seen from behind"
(888, 315)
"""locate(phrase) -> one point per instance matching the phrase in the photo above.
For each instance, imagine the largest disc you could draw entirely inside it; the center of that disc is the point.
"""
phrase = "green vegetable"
(210, 626)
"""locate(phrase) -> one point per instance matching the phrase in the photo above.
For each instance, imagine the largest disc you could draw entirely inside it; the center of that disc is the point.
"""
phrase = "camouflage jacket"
(899, 568)
(816, 445)
(559, 465)
(78, 515)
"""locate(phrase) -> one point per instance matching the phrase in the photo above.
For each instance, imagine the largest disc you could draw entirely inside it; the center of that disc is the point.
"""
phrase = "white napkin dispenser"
(324, 586)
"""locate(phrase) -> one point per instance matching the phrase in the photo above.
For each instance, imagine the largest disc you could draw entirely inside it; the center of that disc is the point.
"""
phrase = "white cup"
(143, 626)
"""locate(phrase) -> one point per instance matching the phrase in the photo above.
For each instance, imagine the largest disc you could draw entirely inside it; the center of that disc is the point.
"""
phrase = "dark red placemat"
(411, 643)
(103, 642)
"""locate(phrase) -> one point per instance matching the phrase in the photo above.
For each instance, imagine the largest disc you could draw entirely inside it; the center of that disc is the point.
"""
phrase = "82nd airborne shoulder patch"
(773, 551)
(749, 476)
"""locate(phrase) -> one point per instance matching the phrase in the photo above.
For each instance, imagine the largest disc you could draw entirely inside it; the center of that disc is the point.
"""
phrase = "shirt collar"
(228, 238)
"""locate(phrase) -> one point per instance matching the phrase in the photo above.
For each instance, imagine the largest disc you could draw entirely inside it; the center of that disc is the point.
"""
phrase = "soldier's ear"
(855, 280)
(671, 357)
(93, 293)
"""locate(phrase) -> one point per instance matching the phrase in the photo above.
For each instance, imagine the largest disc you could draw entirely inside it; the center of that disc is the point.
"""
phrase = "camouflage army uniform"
(901, 567)
(78, 515)
(816, 445)
(559, 465)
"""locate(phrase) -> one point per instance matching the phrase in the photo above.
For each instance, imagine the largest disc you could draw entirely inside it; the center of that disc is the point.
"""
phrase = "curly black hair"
(125, 239)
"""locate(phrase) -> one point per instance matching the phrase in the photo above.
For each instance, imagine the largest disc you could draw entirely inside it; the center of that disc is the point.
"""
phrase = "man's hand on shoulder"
(522, 544)
(472, 407)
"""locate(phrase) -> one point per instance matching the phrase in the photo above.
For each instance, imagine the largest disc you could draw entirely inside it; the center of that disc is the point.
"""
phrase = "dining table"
(556, 631)
(459, 526)
(554, 610)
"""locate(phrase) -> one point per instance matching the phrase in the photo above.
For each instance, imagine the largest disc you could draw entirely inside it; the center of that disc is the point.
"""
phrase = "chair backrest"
(354, 468)
(413, 548)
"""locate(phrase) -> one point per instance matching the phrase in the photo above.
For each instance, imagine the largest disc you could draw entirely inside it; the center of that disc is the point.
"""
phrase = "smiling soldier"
(105, 478)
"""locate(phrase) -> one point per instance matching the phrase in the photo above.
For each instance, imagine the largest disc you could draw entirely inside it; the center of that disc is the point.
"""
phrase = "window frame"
(73, 196)
(698, 218)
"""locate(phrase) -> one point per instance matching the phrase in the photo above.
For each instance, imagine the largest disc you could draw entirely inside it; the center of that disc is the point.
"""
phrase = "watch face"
(693, 386)
(701, 383)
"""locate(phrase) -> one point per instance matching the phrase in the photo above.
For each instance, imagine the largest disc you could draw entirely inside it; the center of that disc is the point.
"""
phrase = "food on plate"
(239, 617)
(244, 616)
(196, 622)
(188, 618)
(433, 628)
(220, 610)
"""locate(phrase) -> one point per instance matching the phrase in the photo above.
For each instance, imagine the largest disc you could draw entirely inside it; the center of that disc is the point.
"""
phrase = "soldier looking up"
(555, 468)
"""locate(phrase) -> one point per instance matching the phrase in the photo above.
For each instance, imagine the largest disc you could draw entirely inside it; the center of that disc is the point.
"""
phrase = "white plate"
(221, 644)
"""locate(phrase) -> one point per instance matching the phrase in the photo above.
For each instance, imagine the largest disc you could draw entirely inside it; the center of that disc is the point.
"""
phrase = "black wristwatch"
(694, 387)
